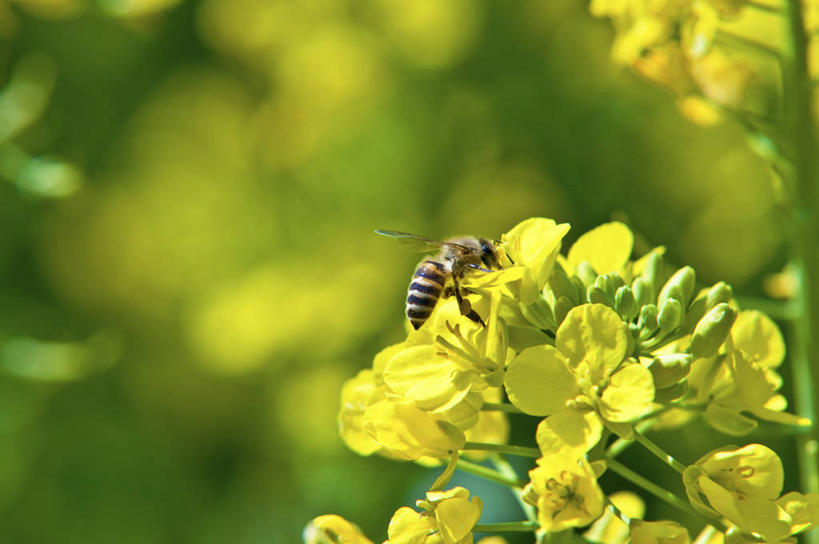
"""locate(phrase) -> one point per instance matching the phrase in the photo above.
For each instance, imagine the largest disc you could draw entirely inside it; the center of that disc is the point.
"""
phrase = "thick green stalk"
(804, 242)
(506, 526)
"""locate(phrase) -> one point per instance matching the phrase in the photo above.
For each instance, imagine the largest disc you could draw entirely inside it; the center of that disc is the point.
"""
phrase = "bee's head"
(489, 254)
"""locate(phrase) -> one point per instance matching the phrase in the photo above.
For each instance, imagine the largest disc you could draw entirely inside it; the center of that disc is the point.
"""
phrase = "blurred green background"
(188, 270)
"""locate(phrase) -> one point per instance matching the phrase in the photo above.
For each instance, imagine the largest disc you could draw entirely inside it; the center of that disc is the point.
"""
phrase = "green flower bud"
(625, 303)
(653, 272)
(680, 286)
(720, 292)
(642, 291)
(597, 295)
(560, 283)
(586, 273)
(670, 316)
(579, 290)
(611, 283)
(648, 320)
(562, 307)
(712, 330)
(670, 369)
(674, 392)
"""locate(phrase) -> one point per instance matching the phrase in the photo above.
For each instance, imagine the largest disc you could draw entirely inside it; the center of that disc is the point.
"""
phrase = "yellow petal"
(606, 248)
(759, 337)
(569, 432)
(628, 395)
(593, 333)
(330, 529)
(539, 382)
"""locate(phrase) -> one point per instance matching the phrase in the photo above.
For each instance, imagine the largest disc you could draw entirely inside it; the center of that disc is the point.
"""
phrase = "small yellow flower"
(333, 529)
(447, 517)
(610, 529)
(404, 431)
(658, 532)
(565, 492)
(582, 381)
(743, 485)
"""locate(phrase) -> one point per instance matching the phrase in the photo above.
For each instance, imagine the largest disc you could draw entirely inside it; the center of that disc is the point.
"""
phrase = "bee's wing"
(411, 242)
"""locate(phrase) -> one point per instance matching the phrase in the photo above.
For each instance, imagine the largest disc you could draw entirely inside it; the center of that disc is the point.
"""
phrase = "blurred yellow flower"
(333, 529)
(447, 517)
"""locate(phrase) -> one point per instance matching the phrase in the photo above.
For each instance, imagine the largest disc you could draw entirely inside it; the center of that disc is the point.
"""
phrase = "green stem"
(616, 511)
(729, 38)
(508, 471)
(763, 7)
(658, 452)
(521, 451)
(441, 481)
(488, 474)
(640, 481)
(500, 407)
(506, 527)
(804, 241)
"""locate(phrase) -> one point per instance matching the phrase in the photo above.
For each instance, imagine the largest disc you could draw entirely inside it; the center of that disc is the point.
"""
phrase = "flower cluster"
(704, 51)
(600, 348)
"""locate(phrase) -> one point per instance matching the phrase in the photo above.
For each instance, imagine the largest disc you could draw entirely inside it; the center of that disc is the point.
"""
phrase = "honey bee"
(455, 257)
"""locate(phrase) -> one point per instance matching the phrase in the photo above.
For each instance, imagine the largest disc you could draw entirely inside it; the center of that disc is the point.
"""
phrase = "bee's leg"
(476, 267)
(465, 306)
(449, 290)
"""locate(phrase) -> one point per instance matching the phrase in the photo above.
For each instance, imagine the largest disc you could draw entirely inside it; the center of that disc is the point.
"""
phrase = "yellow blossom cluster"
(697, 49)
(596, 345)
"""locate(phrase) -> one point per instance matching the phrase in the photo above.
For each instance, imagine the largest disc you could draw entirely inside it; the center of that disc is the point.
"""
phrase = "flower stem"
(616, 511)
(488, 474)
(506, 526)
(442, 480)
(500, 407)
(521, 451)
(640, 481)
(729, 38)
(763, 7)
(804, 240)
(658, 451)
(508, 470)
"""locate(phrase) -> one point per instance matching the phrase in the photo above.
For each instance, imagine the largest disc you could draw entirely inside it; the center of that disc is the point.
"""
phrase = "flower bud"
(674, 392)
(670, 316)
(679, 286)
(579, 290)
(669, 369)
(653, 272)
(561, 284)
(596, 295)
(642, 291)
(625, 303)
(648, 320)
(586, 273)
(562, 307)
(720, 292)
(712, 330)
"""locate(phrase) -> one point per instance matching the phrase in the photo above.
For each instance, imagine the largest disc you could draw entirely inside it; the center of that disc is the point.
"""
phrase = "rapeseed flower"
(446, 517)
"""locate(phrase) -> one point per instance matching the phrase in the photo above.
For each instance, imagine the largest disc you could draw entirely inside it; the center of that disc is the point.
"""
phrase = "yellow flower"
(532, 245)
(565, 492)
(332, 529)
(447, 517)
(356, 395)
(606, 248)
(658, 532)
(582, 381)
(743, 485)
(404, 431)
(610, 529)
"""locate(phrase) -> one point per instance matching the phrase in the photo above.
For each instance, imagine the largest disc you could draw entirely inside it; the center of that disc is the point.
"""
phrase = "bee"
(455, 257)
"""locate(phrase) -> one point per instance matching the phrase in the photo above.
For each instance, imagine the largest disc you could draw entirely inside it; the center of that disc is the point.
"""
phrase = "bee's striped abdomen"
(424, 291)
